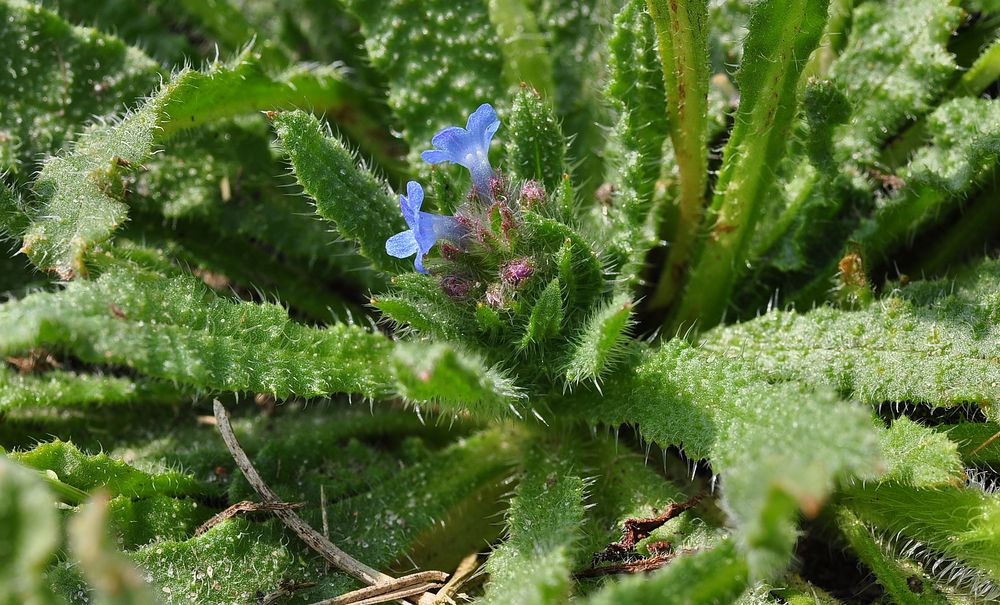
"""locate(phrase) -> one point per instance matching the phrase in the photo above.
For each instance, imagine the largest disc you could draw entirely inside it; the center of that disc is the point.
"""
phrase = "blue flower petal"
(402, 244)
(436, 156)
(410, 204)
(468, 147)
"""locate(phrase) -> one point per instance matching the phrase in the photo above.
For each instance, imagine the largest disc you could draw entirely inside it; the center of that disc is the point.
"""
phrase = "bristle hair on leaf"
(602, 341)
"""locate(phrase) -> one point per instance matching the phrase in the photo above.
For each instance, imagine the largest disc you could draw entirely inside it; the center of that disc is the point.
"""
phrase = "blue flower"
(469, 146)
(425, 228)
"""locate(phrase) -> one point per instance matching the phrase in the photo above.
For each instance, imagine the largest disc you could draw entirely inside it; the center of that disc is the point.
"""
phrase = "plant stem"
(682, 38)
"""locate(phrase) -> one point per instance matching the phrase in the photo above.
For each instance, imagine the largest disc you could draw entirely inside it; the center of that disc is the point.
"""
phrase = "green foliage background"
(761, 268)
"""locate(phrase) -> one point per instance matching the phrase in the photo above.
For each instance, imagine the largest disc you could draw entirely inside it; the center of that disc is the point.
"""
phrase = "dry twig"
(245, 506)
(340, 559)
(399, 588)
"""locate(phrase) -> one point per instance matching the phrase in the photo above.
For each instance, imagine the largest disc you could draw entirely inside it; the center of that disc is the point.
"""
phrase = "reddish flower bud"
(532, 193)
(455, 286)
(517, 271)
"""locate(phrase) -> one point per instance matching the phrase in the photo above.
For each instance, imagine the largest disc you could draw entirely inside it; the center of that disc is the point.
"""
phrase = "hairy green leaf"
(438, 74)
(357, 201)
(926, 343)
(536, 147)
(636, 152)
(957, 523)
(56, 78)
(173, 328)
(29, 536)
(64, 388)
(778, 446)
(454, 379)
(91, 472)
(533, 564)
(602, 341)
(546, 316)
(903, 586)
(80, 190)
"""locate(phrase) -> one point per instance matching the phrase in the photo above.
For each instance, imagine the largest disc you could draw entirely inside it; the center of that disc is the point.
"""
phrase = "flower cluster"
(468, 147)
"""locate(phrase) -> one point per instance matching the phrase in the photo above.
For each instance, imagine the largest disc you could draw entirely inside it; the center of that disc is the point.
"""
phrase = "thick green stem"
(781, 38)
(682, 37)
(889, 572)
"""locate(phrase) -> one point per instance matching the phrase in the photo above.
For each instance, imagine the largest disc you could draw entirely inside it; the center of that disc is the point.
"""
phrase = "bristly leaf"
(455, 379)
(956, 523)
(81, 190)
(905, 587)
(601, 342)
(61, 388)
(349, 195)
(436, 73)
(90, 473)
(575, 30)
(533, 564)
(919, 456)
(173, 328)
(964, 149)
(546, 316)
(928, 343)
(30, 536)
(57, 77)
(778, 447)
(536, 147)
(635, 154)
(780, 39)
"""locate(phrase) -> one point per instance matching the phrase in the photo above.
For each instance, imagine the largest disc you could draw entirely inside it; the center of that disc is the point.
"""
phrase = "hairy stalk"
(682, 37)
(781, 39)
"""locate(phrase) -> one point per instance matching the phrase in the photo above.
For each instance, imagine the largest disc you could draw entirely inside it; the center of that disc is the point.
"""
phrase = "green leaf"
(115, 580)
(574, 30)
(964, 150)
(891, 574)
(80, 191)
(533, 564)
(894, 66)
(546, 316)
(357, 201)
(925, 343)
(956, 523)
(919, 456)
(419, 505)
(781, 37)
(173, 328)
(419, 304)
(712, 577)
(536, 148)
(526, 60)
(64, 388)
(57, 78)
(29, 536)
(437, 75)
(778, 446)
(455, 379)
(92, 472)
(602, 342)
(978, 442)
(635, 152)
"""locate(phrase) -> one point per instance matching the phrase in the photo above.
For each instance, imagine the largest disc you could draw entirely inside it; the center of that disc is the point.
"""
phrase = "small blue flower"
(469, 146)
(425, 228)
